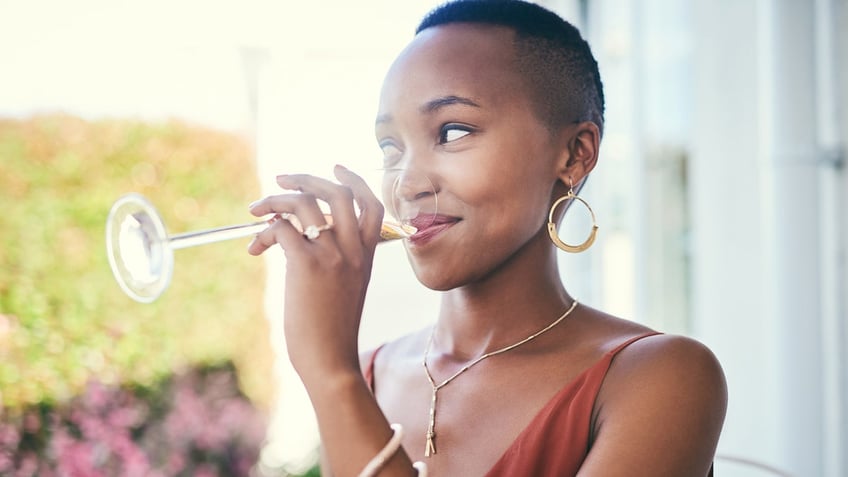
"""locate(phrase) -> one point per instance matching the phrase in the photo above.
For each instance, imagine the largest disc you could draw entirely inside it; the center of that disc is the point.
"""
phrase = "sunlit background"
(720, 192)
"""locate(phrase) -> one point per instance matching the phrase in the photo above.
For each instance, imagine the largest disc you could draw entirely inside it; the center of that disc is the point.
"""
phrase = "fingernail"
(339, 166)
(281, 177)
(252, 204)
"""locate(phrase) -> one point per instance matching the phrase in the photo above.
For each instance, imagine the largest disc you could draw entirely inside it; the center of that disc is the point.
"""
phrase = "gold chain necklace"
(431, 427)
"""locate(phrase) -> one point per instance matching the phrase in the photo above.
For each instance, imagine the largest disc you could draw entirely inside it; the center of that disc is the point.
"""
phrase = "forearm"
(353, 428)
(321, 333)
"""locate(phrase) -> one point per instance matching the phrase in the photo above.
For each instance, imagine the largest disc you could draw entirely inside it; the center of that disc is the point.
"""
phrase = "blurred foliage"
(195, 423)
(315, 471)
(63, 319)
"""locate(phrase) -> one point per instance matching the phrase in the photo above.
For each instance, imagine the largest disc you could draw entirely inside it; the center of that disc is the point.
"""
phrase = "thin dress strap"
(556, 441)
(368, 371)
(632, 340)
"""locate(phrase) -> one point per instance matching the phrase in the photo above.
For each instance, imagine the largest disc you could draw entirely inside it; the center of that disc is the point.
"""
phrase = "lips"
(429, 226)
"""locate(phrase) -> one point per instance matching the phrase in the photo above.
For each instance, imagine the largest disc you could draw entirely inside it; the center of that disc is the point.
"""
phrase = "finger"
(301, 209)
(280, 231)
(338, 196)
(370, 209)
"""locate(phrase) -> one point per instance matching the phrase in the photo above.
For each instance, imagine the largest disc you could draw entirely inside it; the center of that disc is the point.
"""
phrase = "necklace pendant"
(431, 427)
(431, 444)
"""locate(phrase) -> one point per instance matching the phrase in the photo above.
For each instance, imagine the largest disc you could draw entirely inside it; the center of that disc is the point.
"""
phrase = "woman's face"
(453, 107)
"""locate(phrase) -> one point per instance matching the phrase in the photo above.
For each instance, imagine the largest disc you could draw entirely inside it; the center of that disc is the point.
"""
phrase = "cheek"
(517, 193)
(508, 213)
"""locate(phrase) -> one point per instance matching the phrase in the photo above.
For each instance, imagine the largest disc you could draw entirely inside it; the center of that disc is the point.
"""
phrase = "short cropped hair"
(561, 73)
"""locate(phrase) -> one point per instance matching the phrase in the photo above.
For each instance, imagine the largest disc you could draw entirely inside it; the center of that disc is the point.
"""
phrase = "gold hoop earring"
(552, 230)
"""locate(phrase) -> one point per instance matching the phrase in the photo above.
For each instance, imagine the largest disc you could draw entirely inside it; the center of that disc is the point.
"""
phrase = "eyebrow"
(438, 103)
(434, 105)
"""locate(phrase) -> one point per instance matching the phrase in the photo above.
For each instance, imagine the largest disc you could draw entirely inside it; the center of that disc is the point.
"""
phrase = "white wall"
(753, 93)
(759, 220)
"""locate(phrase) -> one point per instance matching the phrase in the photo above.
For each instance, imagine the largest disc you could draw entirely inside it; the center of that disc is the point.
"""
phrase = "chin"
(434, 280)
(434, 276)
(440, 276)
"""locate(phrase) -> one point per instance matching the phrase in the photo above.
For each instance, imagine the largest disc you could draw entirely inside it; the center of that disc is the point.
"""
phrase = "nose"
(411, 184)
(410, 192)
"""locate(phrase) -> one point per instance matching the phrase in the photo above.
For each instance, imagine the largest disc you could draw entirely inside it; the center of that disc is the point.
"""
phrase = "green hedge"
(63, 319)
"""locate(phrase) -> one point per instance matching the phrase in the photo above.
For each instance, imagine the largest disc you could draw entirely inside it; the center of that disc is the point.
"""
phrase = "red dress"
(556, 442)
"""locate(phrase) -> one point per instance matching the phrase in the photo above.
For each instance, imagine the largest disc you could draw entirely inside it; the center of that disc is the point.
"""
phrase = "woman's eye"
(452, 132)
(391, 152)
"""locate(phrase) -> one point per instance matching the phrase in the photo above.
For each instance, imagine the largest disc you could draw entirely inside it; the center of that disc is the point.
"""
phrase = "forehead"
(462, 59)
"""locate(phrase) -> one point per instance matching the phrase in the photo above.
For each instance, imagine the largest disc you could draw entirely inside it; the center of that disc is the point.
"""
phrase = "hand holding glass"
(140, 250)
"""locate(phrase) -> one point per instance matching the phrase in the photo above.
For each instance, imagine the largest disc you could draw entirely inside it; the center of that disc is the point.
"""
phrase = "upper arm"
(659, 411)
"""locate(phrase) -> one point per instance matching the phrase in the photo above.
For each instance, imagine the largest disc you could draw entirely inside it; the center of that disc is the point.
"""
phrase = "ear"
(580, 154)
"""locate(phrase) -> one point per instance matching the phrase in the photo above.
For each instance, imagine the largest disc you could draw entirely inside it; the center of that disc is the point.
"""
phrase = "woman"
(501, 104)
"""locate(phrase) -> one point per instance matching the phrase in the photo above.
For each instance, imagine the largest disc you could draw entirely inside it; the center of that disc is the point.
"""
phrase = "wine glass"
(141, 251)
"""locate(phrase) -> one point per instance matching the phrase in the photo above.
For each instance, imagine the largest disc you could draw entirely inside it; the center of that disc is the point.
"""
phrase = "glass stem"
(390, 231)
(219, 234)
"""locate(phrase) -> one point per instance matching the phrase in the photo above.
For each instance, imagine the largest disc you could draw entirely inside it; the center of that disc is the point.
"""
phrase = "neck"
(518, 299)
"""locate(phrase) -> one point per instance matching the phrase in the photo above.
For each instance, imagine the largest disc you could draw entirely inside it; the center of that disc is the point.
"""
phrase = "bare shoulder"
(661, 360)
(397, 351)
(661, 408)
(667, 361)
(664, 369)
